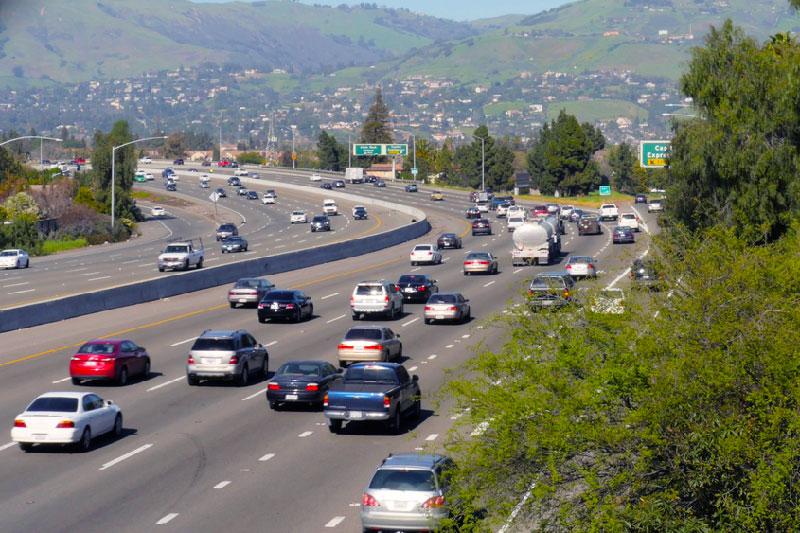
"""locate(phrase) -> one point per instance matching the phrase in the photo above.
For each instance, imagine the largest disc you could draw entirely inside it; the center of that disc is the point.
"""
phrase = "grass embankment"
(54, 246)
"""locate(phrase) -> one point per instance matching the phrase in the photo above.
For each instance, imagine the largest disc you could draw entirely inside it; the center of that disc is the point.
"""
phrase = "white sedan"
(426, 253)
(66, 418)
(14, 258)
(299, 217)
(157, 211)
(316, 177)
(630, 220)
(581, 266)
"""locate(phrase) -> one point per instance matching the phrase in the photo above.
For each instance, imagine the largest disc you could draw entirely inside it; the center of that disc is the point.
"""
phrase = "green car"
(139, 177)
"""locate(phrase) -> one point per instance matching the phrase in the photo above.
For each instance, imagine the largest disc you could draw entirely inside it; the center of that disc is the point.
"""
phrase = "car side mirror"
(466, 301)
(415, 378)
(340, 370)
(109, 402)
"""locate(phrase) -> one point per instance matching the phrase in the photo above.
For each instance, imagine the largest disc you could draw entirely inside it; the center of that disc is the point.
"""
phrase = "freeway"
(215, 457)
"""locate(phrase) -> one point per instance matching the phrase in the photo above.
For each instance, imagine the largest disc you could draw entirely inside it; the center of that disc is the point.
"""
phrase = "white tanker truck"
(536, 243)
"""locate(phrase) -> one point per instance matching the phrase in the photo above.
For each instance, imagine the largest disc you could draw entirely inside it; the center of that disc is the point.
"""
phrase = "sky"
(451, 9)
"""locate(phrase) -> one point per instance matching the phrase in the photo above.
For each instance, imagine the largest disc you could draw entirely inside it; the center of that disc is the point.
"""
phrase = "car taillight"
(106, 359)
(261, 306)
(345, 347)
(191, 360)
(530, 292)
(325, 401)
(352, 299)
(430, 253)
(233, 360)
(66, 424)
(631, 275)
(569, 267)
(387, 403)
(369, 501)
(428, 308)
(421, 289)
(374, 347)
(566, 293)
(483, 262)
(273, 386)
(591, 266)
(312, 386)
(386, 298)
(436, 501)
(20, 424)
(230, 293)
(451, 308)
(289, 306)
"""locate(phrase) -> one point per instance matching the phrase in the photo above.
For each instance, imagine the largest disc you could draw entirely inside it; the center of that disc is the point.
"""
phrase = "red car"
(80, 160)
(540, 210)
(114, 360)
(223, 163)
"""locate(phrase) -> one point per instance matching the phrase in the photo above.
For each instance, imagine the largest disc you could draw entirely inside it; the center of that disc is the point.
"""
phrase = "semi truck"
(536, 243)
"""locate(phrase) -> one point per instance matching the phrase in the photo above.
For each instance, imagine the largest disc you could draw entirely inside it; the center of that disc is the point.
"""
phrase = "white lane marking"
(12, 279)
(262, 391)
(432, 436)
(222, 484)
(7, 446)
(182, 342)
(303, 240)
(95, 279)
(415, 269)
(517, 271)
(335, 319)
(480, 429)
(164, 384)
(213, 259)
(446, 259)
(449, 346)
(90, 274)
(465, 336)
(61, 380)
(335, 521)
(16, 285)
(410, 322)
(329, 296)
(131, 261)
(281, 246)
(76, 270)
(124, 456)
(413, 368)
(273, 343)
(432, 356)
(488, 283)
(517, 509)
(305, 434)
(166, 519)
(22, 292)
(266, 457)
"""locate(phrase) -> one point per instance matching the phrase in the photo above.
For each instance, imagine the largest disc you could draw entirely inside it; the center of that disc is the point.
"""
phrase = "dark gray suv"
(551, 290)
(228, 355)
(320, 223)
(226, 230)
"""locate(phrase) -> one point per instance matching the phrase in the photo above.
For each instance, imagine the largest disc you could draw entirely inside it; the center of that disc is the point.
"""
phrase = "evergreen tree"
(621, 159)
(124, 170)
(330, 152)
(377, 129)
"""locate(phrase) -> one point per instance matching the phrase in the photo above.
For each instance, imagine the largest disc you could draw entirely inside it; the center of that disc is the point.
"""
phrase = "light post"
(114, 172)
(41, 145)
(349, 152)
(294, 155)
(483, 162)
(414, 137)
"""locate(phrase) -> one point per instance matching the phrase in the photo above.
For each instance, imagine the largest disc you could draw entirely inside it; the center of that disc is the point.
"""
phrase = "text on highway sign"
(653, 154)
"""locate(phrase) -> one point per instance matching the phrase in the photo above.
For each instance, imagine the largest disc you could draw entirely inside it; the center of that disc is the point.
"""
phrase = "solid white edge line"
(182, 342)
(124, 456)
(335, 521)
(410, 322)
(166, 519)
(61, 380)
(516, 510)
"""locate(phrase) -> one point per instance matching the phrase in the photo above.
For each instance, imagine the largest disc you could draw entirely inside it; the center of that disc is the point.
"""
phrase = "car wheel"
(265, 368)
(354, 316)
(427, 321)
(200, 263)
(161, 269)
(262, 320)
(26, 446)
(85, 443)
(334, 425)
(192, 380)
(244, 377)
(297, 315)
(385, 357)
(117, 431)
(310, 312)
(146, 373)
(186, 265)
(233, 305)
(76, 381)
(123, 376)
(273, 405)
(418, 409)
(468, 316)
(397, 422)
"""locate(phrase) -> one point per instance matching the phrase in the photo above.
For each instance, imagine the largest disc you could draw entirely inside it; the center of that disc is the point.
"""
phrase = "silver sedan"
(369, 344)
(447, 306)
(581, 266)
(483, 262)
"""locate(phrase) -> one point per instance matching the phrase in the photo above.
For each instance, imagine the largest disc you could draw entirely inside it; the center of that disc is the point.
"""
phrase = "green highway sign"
(368, 149)
(653, 154)
(605, 190)
(396, 149)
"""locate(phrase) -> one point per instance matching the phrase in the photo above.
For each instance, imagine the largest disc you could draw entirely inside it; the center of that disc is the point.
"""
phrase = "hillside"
(79, 40)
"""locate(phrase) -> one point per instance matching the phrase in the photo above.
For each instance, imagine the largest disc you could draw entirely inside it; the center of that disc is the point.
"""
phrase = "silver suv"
(228, 355)
(407, 492)
(376, 297)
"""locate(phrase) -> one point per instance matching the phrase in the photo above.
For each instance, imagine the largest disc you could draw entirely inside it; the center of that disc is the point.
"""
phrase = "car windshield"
(629, 216)
(412, 278)
(298, 370)
(478, 255)
(540, 208)
(515, 219)
(414, 480)
(177, 249)
(377, 374)
(366, 334)
(226, 227)
(588, 217)
(448, 236)
(280, 296)
(233, 239)
(97, 347)
(61, 405)
(320, 219)
(208, 343)
(442, 299)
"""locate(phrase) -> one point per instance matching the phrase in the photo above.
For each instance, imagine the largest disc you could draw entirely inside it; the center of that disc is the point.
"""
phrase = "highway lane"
(202, 437)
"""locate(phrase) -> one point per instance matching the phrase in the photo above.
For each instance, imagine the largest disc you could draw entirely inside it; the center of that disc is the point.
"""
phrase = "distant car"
(437, 196)
(254, 175)
(425, 253)
(447, 306)
(565, 212)
(581, 266)
(630, 220)
(371, 179)
(320, 223)
(360, 212)
(271, 192)
(249, 291)
(157, 211)
(148, 176)
(193, 170)
(640, 199)
(298, 217)
(241, 190)
(223, 163)
(233, 181)
(316, 177)
(226, 229)
(551, 290)
(204, 185)
(480, 262)
(240, 172)
(645, 274)
(575, 215)
(448, 240)
(66, 418)
(301, 382)
(228, 355)
(496, 202)
(221, 192)
(481, 226)
(514, 222)
(590, 224)
(326, 185)
(501, 210)
(379, 183)
(408, 492)
(146, 160)
(268, 198)
(416, 287)
(369, 344)
(206, 163)
(541, 210)
(14, 258)
(233, 244)
(473, 212)
(252, 195)
(178, 161)
(292, 305)
(234, 164)
(339, 184)
(412, 187)
(622, 234)
(483, 207)
(171, 187)
(109, 360)
(655, 205)
(553, 209)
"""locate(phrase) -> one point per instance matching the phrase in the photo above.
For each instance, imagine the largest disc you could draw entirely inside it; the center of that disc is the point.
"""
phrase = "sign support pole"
(394, 168)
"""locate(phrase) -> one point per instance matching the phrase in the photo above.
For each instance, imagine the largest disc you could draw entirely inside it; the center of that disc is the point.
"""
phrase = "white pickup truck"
(330, 208)
(180, 255)
(608, 212)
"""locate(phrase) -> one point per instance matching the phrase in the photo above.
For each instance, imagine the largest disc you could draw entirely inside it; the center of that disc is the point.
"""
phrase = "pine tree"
(377, 129)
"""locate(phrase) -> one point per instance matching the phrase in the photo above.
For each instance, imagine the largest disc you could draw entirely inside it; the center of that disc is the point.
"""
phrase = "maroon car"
(109, 359)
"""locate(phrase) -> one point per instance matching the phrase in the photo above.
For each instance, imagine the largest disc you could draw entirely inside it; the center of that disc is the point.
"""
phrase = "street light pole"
(414, 139)
(41, 145)
(114, 173)
(483, 162)
(293, 154)
(349, 152)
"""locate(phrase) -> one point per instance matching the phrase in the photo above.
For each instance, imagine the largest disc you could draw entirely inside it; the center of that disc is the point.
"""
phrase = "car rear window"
(478, 255)
(298, 369)
(356, 334)
(376, 374)
(416, 480)
(580, 260)
(97, 347)
(279, 296)
(207, 343)
(547, 281)
(442, 299)
(366, 290)
(61, 405)
(423, 248)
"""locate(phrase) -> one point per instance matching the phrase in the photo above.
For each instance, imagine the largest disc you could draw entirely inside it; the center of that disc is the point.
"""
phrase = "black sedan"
(411, 187)
(448, 240)
(301, 382)
(622, 234)
(379, 183)
(221, 192)
(234, 243)
(416, 287)
(252, 195)
(291, 305)
(339, 184)
(640, 199)
(473, 212)
(371, 179)
(360, 213)
(320, 223)
(326, 186)
(171, 187)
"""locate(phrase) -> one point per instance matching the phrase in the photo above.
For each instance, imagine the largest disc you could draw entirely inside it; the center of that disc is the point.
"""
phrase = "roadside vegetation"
(681, 413)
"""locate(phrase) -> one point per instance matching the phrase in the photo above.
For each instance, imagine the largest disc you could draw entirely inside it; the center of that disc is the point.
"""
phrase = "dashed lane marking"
(167, 519)
(164, 384)
(305, 434)
(266, 457)
(335, 521)
(182, 342)
(262, 391)
(410, 322)
(122, 457)
(335, 319)
(329, 296)
(222, 484)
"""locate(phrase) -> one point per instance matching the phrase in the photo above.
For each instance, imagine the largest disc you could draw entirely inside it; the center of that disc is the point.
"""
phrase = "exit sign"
(380, 149)
(653, 154)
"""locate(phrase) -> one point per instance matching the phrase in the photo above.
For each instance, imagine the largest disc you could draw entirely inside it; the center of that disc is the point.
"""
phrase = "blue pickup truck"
(373, 391)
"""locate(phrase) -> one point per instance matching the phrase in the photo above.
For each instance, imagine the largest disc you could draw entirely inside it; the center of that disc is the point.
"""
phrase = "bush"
(54, 246)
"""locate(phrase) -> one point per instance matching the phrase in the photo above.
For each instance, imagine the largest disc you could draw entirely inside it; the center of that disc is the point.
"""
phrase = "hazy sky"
(452, 9)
